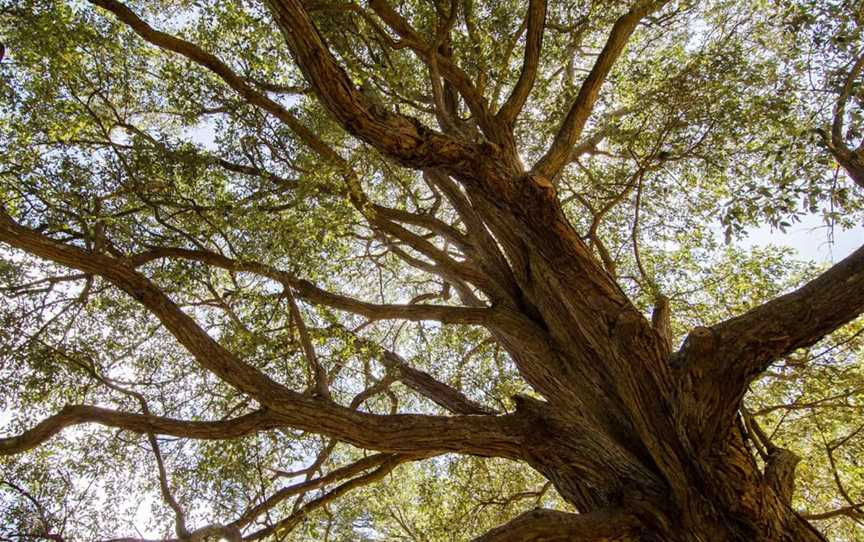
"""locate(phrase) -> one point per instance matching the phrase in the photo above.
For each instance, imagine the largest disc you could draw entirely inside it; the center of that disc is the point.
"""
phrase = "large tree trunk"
(621, 425)
(644, 442)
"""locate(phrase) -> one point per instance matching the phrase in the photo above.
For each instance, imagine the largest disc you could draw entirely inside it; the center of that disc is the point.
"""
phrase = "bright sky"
(811, 238)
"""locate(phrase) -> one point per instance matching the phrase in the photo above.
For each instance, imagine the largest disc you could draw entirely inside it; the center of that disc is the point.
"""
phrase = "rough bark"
(644, 442)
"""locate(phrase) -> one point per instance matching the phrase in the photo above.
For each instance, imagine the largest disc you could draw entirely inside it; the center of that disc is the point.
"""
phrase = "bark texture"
(644, 442)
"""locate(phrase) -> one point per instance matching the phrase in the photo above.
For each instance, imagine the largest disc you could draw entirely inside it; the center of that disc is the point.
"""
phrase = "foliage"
(707, 128)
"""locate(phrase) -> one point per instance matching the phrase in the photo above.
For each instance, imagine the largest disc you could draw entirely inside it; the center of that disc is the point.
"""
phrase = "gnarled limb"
(543, 525)
(424, 383)
(481, 435)
(718, 363)
(397, 136)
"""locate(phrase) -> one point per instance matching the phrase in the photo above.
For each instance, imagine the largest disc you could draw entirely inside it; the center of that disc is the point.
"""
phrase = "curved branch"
(209, 61)
(852, 160)
(543, 525)
(840, 107)
(424, 383)
(285, 525)
(309, 485)
(427, 221)
(259, 420)
(438, 63)
(399, 137)
(308, 291)
(480, 435)
(319, 381)
(718, 363)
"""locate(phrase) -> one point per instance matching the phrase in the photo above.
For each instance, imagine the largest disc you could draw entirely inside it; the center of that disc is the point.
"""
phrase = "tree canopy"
(426, 270)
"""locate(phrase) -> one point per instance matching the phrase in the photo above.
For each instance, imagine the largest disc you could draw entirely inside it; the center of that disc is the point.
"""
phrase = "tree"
(471, 250)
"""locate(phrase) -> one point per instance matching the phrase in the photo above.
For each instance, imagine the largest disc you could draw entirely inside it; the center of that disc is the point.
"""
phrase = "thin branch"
(531, 63)
(287, 524)
(138, 423)
(209, 61)
(308, 291)
(559, 153)
(319, 374)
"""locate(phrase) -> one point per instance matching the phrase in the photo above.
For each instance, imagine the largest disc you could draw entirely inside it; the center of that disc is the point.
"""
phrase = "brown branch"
(259, 420)
(543, 525)
(285, 525)
(718, 363)
(481, 435)
(531, 63)
(442, 63)
(852, 160)
(780, 472)
(179, 516)
(310, 485)
(446, 266)
(840, 108)
(402, 138)
(209, 61)
(661, 321)
(446, 110)
(308, 291)
(559, 153)
(318, 373)
(855, 511)
(428, 222)
(491, 259)
(424, 383)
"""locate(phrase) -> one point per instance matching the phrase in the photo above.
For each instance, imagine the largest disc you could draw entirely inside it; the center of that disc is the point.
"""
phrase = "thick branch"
(720, 362)
(481, 435)
(397, 136)
(438, 63)
(542, 525)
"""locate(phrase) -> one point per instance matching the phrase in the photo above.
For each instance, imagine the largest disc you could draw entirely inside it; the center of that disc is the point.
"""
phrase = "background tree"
(428, 270)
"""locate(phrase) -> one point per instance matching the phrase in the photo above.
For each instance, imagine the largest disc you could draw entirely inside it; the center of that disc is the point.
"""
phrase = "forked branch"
(559, 153)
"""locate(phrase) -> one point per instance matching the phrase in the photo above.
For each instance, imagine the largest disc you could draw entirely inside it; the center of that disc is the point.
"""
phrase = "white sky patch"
(810, 238)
